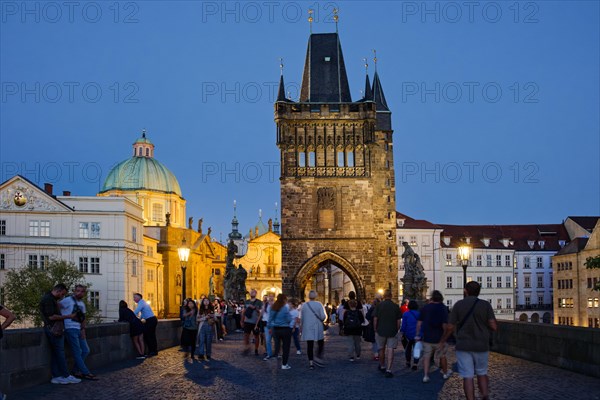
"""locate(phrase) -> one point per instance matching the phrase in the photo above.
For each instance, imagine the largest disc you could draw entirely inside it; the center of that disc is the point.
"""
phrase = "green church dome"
(142, 172)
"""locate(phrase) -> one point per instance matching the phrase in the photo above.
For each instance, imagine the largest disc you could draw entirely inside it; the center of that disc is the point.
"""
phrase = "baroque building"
(338, 203)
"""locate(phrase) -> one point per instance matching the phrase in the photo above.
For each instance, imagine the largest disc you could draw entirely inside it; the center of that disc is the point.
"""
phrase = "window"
(94, 299)
(150, 275)
(149, 251)
(350, 158)
(540, 300)
(498, 303)
(508, 302)
(498, 260)
(45, 228)
(527, 283)
(488, 260)
(489, 282)
(498, 281)
(44, 261)
(589, 285)
(413, 241)
(95, 233)
(479, 262)
(311, 159)
(340, 159)
(551, 281)
(134, 233)
(448, 282)
(83, 265)
(540, 280)
(34, 228)
(2, 296)
(157, 212)
(479, 280)
(150, 298)
(134, 267)
(449, 259)
(95, 265)
(508, 281)
(596, 302)
(540, 262)
(2, 261)
(526, 262)
(32, 261)
(449, 302)
(527, 301)
(84, 230)
(2, 227)
(147, 152)
(507, 261)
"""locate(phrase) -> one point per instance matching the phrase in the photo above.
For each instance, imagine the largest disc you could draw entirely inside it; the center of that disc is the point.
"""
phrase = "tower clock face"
(20, 199)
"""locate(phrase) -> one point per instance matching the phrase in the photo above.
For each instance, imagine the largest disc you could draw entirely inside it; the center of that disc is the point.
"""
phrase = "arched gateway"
(311, 266)
(338, 197)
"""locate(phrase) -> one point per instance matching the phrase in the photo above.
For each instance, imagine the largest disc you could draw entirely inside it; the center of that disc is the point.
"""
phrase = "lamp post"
(464, 252)
(184, 254)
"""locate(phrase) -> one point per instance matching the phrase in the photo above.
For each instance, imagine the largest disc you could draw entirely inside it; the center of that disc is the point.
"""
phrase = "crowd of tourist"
(273, 323)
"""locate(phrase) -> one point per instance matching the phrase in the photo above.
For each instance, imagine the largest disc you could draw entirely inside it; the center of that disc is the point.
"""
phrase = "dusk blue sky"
(495, 108)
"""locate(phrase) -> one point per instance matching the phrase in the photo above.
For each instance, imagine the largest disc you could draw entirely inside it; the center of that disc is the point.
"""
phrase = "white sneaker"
(447, 374)
(72, 379)
(425, 379)
(59, 380)
(285, 366)
(298, 352)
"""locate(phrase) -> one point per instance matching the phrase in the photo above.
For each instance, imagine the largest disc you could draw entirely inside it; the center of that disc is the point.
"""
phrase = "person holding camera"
(75, 331)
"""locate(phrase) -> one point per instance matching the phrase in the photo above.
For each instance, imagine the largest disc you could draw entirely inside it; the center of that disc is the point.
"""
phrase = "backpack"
(352, 319)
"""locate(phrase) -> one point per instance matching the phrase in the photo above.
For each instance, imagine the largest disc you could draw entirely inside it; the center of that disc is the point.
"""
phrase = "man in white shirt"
(145, 313)
(75, 331)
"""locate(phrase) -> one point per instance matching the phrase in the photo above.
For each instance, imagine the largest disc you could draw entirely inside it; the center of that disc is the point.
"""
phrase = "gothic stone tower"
(337, 177)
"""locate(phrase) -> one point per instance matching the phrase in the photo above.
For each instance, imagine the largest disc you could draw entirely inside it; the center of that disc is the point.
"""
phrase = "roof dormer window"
(400, 223)
(542, 243)
(327, 59)
(486, 242)
(561, 243)
(467, 240)
(446, 240)
(505, 242)
(531, 243)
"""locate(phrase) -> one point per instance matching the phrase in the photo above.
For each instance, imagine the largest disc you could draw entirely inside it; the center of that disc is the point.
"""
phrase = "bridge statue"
(414, 280)
(234, 281)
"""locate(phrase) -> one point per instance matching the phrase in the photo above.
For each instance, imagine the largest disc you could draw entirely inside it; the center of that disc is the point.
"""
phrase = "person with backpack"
(409, 331)
(369, 330)
(353, 320)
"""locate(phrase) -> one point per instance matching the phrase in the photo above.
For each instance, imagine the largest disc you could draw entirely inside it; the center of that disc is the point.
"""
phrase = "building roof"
(587, 223)
(541, 237)
(575, 246)
(141, 172)
(411, 223)
(324, 79)
(378, 95)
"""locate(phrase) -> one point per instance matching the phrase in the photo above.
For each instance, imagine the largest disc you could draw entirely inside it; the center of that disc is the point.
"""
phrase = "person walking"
(313, 316)
(251, 322)
(147, 316)
(264, 316)
(409, 331)
(432, 322)
(279, 328)
(136, 328)
(206, 319)
(190, 327)
(9, 318)
(295, 323)
(353, 320)
(369, 330)
(386, 321)
(54, 330)
(218, 319)
(472, 321)
(75, 331)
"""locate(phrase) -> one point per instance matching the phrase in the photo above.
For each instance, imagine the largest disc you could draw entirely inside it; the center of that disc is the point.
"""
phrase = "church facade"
(337, 177)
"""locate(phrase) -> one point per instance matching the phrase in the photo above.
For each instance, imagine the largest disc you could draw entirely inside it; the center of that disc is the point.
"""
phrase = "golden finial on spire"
(335, 18)
(281, 65)
(310, 18)
(366, 65)
(375, 58)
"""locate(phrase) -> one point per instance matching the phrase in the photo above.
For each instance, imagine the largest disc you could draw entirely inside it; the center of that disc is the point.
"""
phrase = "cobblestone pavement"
(233, 376)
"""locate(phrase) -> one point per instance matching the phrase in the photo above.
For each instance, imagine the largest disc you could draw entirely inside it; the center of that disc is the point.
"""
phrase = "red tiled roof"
(411, 223)
(518, 235)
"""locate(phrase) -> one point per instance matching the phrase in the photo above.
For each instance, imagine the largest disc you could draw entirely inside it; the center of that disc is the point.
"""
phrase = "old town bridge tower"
(337, 177)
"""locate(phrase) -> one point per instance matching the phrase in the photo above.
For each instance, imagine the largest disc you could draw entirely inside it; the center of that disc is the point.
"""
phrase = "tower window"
(301, 159)
(311, 159)
(147, 152)
(340, 158)
(350, 158)
(140, 152)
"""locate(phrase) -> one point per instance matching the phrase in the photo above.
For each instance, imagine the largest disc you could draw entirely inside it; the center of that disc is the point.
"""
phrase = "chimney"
(48, 188)
(66, 192)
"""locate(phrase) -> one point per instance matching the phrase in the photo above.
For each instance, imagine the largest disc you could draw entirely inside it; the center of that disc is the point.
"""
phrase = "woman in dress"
(312, 317)
(279, 328)
(206, 319)
(190, 327)
(136, 328)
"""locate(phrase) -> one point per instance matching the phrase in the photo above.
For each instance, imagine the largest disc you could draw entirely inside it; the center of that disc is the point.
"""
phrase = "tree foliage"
(593, 263)
(24, 287)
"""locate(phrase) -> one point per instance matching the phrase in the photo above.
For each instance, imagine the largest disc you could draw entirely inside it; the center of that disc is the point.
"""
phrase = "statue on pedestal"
(414, 280)
(235, 278)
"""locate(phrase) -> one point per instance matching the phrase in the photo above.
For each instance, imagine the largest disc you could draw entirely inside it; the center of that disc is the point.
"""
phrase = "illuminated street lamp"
(464, 252)
(184, 255)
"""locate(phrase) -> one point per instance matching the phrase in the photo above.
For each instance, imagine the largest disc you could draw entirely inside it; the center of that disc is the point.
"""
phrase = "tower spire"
(368, 93)
(276, 224)
(310, 19)
(235, 234)
(336, 19)
(281, 92)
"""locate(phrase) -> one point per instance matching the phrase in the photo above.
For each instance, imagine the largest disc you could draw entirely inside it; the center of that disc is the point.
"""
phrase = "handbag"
(418, 349)
(58, 328)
